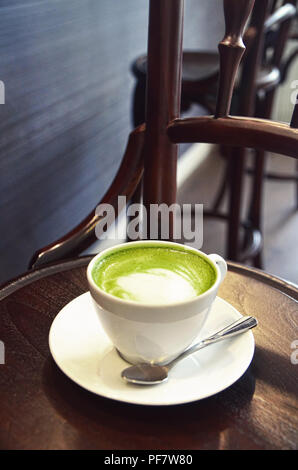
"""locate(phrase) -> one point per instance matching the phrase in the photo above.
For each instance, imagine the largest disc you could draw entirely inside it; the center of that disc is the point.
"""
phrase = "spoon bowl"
(145, 374)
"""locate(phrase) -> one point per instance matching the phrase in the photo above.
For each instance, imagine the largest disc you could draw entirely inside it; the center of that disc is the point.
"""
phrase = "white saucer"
(84, 353)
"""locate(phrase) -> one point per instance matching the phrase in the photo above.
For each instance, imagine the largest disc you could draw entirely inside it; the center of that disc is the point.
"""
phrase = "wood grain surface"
(42, 409)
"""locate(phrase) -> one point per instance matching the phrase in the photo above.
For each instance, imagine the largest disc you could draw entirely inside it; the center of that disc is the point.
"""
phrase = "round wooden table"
(40, 408)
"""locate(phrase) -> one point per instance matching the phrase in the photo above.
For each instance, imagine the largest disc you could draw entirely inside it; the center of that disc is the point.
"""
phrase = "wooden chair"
(152, 148)
(200, 69)
(258, 81)
(271, 74)
(221, 129)
(260, 77)
(276, 41)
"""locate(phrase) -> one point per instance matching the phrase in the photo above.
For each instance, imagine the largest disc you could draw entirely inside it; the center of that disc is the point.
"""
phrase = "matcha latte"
(154, 274)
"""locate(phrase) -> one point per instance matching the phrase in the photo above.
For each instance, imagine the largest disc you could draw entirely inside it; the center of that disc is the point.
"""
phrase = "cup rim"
(135, 304)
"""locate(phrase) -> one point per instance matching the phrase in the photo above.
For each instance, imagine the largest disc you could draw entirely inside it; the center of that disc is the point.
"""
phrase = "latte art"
(155, 286)
(154, 275)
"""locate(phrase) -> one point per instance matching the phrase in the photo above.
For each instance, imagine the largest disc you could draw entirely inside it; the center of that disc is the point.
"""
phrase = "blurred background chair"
(162, 93)
(239, 132)
(201, 69)
(264, 68)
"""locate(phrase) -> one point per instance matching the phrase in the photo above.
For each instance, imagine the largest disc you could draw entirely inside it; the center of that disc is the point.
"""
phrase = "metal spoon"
(151, 374)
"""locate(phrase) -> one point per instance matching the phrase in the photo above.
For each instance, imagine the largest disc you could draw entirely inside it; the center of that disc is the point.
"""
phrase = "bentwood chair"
(271, 73)
(200, 69)
(254, 93)
(253, 96)
(153, 147)
(165, 128)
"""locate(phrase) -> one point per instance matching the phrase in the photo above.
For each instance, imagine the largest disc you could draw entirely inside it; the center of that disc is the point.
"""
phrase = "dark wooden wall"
(64, 126)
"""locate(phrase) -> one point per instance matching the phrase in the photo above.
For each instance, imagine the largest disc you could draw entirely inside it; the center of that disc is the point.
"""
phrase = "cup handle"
(220, 262)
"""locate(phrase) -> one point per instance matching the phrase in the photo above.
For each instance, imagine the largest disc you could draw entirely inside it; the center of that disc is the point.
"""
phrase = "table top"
(42, 409)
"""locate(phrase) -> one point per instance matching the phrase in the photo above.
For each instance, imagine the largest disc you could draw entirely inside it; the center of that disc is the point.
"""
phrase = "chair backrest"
(166, 17)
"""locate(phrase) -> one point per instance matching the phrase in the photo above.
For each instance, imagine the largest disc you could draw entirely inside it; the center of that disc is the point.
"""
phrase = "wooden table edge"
(286, 287)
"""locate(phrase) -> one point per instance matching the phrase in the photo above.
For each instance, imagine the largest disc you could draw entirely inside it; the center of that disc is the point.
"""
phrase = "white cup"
(153, 333)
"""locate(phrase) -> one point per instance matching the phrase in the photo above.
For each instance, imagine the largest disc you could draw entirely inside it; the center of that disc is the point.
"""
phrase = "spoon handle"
(235, 328)
(239, 326)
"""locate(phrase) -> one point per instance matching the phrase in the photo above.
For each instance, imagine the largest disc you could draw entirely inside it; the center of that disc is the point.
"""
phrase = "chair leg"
(255, 209)
(139, 102)
(258, 260)
(263, 110)
(224, 186)
(163, 99)
(221, 192)
(236, 170)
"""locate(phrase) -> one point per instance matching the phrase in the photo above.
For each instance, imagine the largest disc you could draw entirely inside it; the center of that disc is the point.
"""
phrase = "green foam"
(153, 261)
